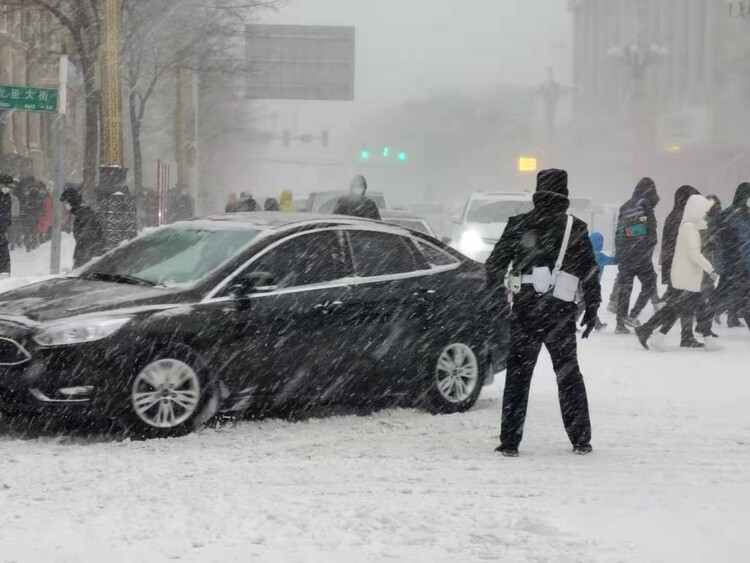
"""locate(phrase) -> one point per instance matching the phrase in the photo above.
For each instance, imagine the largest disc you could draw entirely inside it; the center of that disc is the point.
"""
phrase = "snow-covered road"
(669, 479)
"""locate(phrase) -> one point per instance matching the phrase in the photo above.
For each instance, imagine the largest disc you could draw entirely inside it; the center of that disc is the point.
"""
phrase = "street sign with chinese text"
(25, 98)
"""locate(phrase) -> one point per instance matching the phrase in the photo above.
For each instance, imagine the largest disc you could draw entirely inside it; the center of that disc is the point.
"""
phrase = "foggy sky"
(410, 48)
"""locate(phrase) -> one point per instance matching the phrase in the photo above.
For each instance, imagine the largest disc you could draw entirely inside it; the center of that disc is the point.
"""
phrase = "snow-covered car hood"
(60, 298)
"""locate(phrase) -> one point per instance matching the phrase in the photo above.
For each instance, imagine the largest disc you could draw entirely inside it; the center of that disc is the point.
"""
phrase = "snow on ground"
(668, 480)
(30, 267)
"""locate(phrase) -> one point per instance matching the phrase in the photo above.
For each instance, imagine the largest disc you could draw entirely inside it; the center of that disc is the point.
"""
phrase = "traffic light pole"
(60, 172)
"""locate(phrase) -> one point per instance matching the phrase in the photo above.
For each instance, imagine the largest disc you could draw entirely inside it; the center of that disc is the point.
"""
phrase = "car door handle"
(329, 307)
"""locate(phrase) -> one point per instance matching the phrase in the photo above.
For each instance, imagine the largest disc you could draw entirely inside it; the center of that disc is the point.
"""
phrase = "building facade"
(694, 86)
(31, 42)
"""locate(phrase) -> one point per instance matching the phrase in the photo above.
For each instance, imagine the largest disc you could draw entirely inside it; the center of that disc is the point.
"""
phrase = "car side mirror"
(253, 283)
(446, 240)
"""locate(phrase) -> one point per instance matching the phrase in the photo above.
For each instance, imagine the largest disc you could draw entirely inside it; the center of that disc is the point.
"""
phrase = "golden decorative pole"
(116, 205)
(112, 154)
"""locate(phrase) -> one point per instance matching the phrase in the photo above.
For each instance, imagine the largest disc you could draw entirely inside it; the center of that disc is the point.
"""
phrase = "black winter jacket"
(6, 212)
(534, 240)
(88, 234)
(354, 206)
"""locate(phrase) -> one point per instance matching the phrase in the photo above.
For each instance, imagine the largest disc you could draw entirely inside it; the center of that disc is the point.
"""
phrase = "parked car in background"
(325, 202)
(407, 220)
(485, 216)
(239, 313)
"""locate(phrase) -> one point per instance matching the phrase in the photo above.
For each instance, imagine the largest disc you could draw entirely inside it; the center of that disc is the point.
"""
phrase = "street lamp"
(639, 56)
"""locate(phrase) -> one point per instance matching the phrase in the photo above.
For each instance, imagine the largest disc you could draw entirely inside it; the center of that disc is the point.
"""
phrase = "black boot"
(507, 451)
(690, 343)
(585, 449)
(643, 335)
(622, 329)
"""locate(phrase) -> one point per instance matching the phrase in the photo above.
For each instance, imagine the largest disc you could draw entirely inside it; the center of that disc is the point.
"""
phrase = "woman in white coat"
(688, 269)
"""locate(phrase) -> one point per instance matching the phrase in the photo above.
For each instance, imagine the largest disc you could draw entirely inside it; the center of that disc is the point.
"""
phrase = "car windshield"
(170, 256)
(489, 211)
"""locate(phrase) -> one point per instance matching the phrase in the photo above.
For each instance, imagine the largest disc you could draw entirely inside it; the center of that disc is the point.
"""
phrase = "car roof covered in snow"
(280, 221)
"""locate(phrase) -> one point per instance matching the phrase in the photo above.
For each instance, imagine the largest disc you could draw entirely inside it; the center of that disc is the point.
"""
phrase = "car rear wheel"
(170, 395)
(456, 378)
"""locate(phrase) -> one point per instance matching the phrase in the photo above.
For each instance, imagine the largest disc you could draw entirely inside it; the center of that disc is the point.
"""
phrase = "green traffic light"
(386, 152)
(402, 156)
(365, 154)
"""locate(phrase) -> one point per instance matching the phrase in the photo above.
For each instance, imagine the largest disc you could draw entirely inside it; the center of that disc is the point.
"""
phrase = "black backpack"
(634, 222)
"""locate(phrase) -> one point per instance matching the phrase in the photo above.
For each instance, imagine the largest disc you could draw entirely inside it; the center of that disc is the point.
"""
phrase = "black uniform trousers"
(646, 274)
(537, 320)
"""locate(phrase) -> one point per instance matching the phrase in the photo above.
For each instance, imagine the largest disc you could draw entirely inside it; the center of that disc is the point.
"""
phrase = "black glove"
(590, 319)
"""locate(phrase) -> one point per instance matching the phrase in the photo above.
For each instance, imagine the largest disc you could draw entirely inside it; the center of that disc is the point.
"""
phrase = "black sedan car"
(244, 312)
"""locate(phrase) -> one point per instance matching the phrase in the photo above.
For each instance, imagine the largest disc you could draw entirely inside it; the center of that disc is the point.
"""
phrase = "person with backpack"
(549, 255)
(635, 241)
(687, 271)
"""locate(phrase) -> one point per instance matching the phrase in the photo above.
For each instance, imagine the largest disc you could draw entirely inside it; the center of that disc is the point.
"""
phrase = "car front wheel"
(171, 395)
(456, 379)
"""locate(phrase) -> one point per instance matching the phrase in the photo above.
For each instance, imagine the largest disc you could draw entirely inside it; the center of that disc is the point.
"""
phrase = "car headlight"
(471, 243)
(79, 331)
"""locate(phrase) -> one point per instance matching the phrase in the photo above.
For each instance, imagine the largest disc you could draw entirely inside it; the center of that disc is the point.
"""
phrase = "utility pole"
(182, 127)
(116, 205)
(60, 172)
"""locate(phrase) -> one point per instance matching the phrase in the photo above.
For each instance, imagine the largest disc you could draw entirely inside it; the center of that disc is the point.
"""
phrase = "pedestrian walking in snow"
(271, 204)
(668, 247)
(87, 228)
(733, 234)
(602, 261)
(686, 275)
(6, 220)
(287, 202)
(549, 255)
(635, 241)
(357, 204)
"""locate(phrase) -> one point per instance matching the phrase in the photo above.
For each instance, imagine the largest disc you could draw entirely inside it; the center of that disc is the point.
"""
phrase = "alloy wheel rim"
(457, 373)
(165, 393)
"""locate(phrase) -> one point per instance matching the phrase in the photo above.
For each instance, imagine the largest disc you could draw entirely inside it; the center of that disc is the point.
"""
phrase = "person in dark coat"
(180, 205)
(668, 245)
(357, 204)
(245, 204)
(28, 200)
(530, 241)
(271, 204)
(6, 220)
(733, 234)
(87, 228)
(635, 242)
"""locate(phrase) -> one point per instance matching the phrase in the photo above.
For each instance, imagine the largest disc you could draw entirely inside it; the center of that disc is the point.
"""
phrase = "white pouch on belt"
(542, 279)
(566, 285)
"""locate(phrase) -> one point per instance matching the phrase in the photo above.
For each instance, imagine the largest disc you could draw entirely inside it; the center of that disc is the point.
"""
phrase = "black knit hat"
(552, 180)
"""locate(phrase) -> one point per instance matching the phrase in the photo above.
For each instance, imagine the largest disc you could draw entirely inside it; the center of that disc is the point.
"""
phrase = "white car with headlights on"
(485, 216)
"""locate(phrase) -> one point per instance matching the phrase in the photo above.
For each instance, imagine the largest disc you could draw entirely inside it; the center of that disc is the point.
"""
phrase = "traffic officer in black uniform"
(530, 243)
